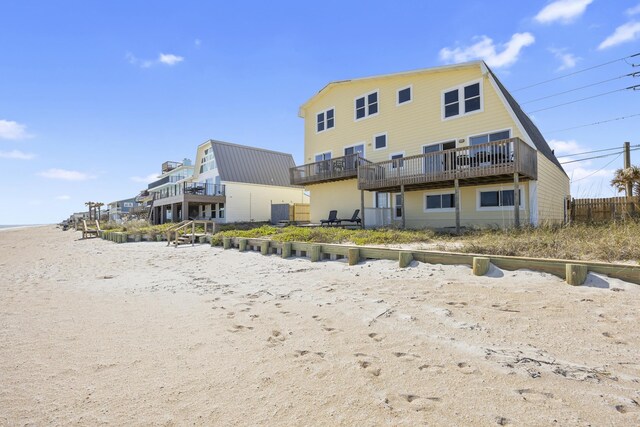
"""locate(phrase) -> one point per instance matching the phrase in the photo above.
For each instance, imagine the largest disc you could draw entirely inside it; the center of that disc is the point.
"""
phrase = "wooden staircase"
(179, 235)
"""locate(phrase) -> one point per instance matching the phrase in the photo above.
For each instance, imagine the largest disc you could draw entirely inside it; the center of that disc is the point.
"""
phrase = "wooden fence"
(604, 210)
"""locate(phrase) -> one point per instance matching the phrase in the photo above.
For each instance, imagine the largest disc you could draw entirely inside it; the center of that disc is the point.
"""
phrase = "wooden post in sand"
(264, 247)
(576, 274)
(404, 258)
(480, 265)
(353, 255)
(242, 245)
(315, 252)
(226, 242)
(286, 250)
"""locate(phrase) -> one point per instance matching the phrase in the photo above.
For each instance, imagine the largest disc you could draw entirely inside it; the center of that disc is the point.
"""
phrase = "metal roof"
(240, 163)
(530, 128)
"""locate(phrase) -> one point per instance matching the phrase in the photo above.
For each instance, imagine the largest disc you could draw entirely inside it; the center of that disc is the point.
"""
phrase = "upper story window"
(397, 160)
(405, 95)
(207, 162)
(325, 120)
(462, 100)
(380, 141)
(128, 204)
(366, 105)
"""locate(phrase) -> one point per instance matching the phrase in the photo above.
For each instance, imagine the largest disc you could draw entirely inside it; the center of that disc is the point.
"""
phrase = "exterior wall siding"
(408, 126)
(252, 202)
(344, 197)
(553, 190)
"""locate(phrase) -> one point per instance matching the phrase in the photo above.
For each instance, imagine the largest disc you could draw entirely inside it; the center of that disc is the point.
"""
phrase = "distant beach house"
(439, 147)
(120, 209)
(169, 184)
(230, 183)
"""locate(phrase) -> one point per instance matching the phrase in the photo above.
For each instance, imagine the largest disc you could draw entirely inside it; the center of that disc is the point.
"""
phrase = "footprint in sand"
(328, 329)
(457, 304)
(275, 338)
(369, 368)
(231, 314)
(467, 369)
(412, 402)
(239, 328)
(435, 369)
(376, 337)
(406, 356)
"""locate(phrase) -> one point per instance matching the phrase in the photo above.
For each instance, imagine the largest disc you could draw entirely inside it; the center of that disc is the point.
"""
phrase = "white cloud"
(63, 197)
(13, 130)
(563, 11)
(166, 59)
(485, 49)
(170, 59)
(16, 154)
(633, 10)
(145, 179)
(568, 60)
(65, 175)
(624, 33)
(565, 147)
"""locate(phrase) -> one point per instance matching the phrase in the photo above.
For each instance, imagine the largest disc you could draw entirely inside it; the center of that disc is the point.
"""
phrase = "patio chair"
(88, 232)
(333, 219)
(354, 218)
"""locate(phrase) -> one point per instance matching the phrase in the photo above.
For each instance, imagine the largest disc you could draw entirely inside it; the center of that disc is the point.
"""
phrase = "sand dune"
(98, 333)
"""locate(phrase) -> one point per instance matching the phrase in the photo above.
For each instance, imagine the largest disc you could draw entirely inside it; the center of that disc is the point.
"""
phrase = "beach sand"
(92, 332)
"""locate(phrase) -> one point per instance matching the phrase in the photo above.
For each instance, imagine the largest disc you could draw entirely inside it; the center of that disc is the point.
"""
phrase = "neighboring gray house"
(120, 209)
(230, 183)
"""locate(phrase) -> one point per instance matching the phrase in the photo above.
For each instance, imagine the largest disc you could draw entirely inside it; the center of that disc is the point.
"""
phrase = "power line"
(595, 172)
(596, 157)
(591, 152)
(577, 72)
(594, 123)
(584, 99)
(636, 74)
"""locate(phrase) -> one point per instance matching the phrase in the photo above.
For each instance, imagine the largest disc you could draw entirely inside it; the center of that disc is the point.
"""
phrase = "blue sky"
(95, 95)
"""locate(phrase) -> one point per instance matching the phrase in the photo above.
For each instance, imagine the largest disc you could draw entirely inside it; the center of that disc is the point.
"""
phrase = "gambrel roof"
(241, 163)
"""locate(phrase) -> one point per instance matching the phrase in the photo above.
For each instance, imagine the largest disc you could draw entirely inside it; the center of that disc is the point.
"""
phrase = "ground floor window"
(381, 200)
(440, 201)
(397, 210)
(221, 210)
(498, 198)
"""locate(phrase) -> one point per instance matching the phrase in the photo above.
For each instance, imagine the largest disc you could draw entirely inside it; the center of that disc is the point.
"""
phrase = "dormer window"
(462, 100)
(366, 105)
(325, 120)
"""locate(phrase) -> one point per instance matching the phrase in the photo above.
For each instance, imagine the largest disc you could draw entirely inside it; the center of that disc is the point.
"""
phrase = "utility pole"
(627, 164)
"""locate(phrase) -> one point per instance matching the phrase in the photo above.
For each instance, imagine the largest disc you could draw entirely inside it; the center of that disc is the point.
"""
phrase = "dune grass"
(604, 242)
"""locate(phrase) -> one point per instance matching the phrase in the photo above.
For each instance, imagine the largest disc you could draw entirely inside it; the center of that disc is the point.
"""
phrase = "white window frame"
(460, 89)
(398, 103)
(366, 106)
(394, 205)
(325, 120)
(127, 204)
(401, 153)
(446, 191)
(364, 148)
(386, 141)
(499, 208)
(322, 153)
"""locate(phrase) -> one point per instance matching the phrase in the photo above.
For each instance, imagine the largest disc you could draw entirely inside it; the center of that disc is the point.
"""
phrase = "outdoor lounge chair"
(333, 219)
(89, 232)
(354, 218)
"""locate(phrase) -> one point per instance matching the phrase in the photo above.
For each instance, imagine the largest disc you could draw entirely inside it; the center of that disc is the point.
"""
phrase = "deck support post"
(264, 247)
(226, 242)
(362, 207)
(516, 199)
(242, 245)
(404, 218)
(404, 258)
(315, 253)
(456, 201)
(286, 249)
(353, 255)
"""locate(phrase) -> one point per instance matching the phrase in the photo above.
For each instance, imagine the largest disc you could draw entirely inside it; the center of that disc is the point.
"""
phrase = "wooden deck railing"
(478, 163)
(336, 169)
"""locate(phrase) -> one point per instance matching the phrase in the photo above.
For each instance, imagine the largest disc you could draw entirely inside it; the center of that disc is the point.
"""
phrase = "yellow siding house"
(443, 147)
